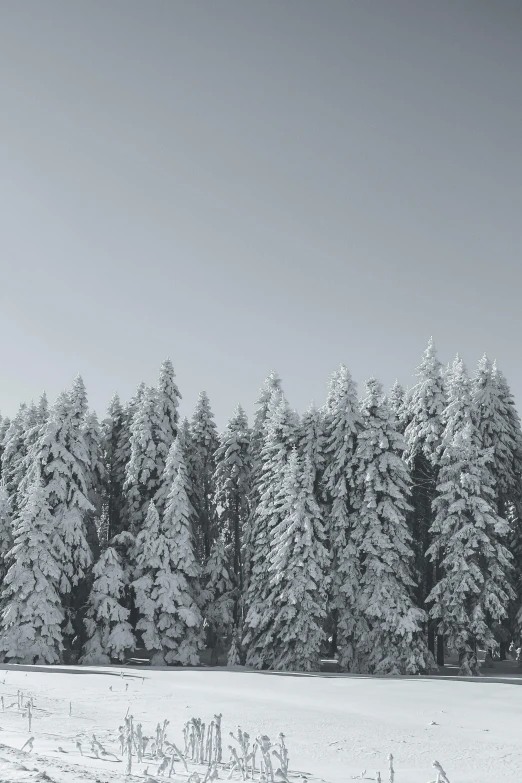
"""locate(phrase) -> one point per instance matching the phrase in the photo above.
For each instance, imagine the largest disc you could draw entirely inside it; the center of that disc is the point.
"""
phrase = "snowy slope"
(335, 726)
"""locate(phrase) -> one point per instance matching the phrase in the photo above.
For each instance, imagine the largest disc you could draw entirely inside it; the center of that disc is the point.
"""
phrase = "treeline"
(381, 528)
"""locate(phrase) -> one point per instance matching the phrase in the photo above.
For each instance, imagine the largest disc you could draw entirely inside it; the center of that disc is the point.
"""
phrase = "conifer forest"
(382, 529)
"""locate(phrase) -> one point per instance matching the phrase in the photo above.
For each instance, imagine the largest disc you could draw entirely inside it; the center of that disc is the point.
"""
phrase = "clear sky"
(247, 186)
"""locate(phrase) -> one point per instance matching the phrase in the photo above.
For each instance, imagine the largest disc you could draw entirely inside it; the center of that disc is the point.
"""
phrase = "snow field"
(335, 726)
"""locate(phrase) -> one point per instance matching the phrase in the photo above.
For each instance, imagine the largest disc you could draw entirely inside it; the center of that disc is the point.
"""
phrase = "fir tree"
(279, 437)
(468, 534)
(175, 458)
(203, 445)
(312, 445)
(122, 457)
(475, 589)
(78, 398)
(108, 630)
(496, 432)
(220, 595)
(111, 430)
(14, 453)
(298, 574)
(167, 584)
(5, 423)
(31, 613)
(186, 453)
(60, 456)
(490, 420)
(43, 409)
(423, 435)
(272, 384)
(510, 493)
(30, 426)
(35, 422)
(166, 414)
(232, 479)
(142, 479)
(96, 480)
(97, 473)
(342, 424)
(398, 401)
(392, 640)
(6, 529)
(508, 457)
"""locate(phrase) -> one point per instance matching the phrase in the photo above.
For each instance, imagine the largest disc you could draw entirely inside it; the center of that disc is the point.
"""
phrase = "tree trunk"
(431, 637)
(238, 570)
(440, 638)
(440, 650)
(333, 647)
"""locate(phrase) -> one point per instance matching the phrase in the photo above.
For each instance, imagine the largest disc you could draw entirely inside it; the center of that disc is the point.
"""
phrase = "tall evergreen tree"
(272, 384)
(60, 456)
(142, 479)
(232, 485)
(6, 529)
(175, 458)
(468, 534)
(166, 588)
(298, 570)
(311, 444)
(494, 425)
(392, 640)
(423, 435)
(78, 397)
(43, 408)
(220, 594)
(510, 482)
(202, 465)
(97, 473)
(122, 458)
(166, 414)
(279, 437)
(31, 613)
(511, 494)
(342, 425)
(63, 456)
(5, 423)
(35, 422)
(109, 632)
(96, 480)
(398, 401)
(14, 453)
(111, 430)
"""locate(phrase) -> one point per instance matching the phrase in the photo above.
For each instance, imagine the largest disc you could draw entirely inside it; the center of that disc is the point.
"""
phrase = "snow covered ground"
(336, 726)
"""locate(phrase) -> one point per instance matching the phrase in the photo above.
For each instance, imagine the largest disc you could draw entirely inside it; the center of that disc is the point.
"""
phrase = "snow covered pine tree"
(166, 586)
(298, 572)
(391, 639)
(31, 611)
(468, 535)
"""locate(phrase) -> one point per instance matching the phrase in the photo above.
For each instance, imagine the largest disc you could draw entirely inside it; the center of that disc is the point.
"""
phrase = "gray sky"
(253, 185)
